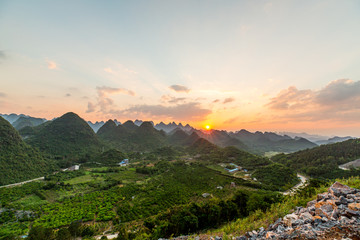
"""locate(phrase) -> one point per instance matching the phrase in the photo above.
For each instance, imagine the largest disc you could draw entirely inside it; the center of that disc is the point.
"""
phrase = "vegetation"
(18, 161)
(277, 176)
(323, 161)
(67, 136)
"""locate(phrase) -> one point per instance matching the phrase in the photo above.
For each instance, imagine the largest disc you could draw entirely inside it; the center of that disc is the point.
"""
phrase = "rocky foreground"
(333, 215)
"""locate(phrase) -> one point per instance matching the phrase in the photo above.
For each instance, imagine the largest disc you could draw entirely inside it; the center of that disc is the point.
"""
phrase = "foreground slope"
(18, 161)
(68, 135)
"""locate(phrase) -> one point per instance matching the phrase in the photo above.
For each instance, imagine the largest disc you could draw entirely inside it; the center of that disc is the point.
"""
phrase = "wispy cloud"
(68, 95)
(51, 64)
(2, 95)
(2, 54)
(171, 99)
(179, 88)
(104, 91)
(103, 101)
(228, 100)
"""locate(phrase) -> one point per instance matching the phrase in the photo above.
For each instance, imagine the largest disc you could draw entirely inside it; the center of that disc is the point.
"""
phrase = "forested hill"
(323, 161)
(18, 161)
(64, 136)
(130, 137)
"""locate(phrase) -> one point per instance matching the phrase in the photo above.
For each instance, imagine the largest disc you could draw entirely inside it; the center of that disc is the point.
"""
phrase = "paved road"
(303, 183)
(20, 183)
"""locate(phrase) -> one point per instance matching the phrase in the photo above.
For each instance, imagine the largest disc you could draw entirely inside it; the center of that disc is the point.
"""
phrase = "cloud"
(104, 102)
(119, 70)
(179, 88)
(228, 100)
(339, 100)
(186, 111)
(231, 120)
(2, 54)
(68, 95)
(51, 64)
(216, 100)
(171, 99)
(339, 91)
(104, 91)
(2, 95)
(91, 107)
(291, 98)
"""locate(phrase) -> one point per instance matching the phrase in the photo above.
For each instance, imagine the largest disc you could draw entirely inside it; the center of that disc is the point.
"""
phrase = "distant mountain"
(221, 138)
(172, 126)
(268, 141)
(27, 121)
(12, 117)
(181, 138)
(68, 135)
(19, 161)
(130, 137)
(334, 140)
(311, 137)
(95, 126)
(323, 161)
(130, 126)
(21, 120)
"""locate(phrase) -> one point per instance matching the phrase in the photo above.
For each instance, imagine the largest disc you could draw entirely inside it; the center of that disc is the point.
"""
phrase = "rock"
(311, 203)
(343, 200)
(354, 206)
(338, 189)
(271, 235)
(290, 218)
(333, 215)
(351, 213)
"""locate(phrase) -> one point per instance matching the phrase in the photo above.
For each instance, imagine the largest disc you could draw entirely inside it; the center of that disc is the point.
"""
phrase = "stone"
(290, 218)
(351, 213)
(343, 200)
(354, 206)
(311, 203)
(271, 235)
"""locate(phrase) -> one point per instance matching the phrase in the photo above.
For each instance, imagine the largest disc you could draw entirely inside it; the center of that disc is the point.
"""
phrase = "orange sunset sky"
(255, 65)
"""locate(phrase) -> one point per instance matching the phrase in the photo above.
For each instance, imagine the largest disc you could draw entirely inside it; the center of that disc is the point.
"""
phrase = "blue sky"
(260, 65)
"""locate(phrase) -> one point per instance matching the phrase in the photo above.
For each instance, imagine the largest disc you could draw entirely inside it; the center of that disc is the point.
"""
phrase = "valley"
(138, 182)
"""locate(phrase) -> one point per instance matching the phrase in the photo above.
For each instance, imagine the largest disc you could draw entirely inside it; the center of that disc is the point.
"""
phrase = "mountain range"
(125, 138)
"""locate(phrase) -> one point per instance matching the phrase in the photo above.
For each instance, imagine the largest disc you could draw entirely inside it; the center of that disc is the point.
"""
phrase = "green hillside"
(323, 161)
(22, 122)
(19, 161)
(129, 137)
(66, 136)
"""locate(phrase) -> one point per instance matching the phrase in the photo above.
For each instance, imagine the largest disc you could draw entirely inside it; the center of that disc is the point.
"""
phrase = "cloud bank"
(339, 100)
(187, 111)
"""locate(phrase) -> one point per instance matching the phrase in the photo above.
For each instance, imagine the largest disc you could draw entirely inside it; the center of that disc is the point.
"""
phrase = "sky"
(255, 65)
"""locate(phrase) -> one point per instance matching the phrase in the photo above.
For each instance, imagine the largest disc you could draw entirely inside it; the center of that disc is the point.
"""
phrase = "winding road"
(20, 183)
(303, 183)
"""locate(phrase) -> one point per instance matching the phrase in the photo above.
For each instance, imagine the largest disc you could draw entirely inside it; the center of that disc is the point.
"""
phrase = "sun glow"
(207, 127)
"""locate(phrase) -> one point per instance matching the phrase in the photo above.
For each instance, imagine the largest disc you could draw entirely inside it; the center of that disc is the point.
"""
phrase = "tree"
(63, 234)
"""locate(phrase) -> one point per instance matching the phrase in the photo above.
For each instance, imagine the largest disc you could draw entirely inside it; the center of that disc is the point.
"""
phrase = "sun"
(207, 127)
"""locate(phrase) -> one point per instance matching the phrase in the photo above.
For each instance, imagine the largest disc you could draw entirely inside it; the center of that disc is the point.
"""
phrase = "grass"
(30, 202)
(82, 179)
